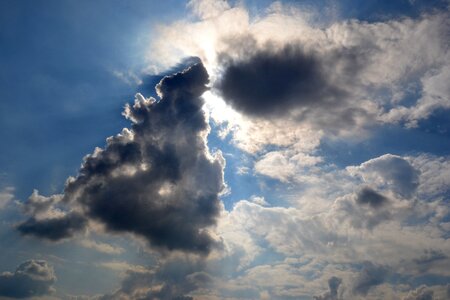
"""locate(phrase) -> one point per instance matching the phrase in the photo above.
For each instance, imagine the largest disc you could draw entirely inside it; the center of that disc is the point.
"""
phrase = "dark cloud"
(273, 81)
(333, 284)
(370, 197)
(370, 276)
(365, 209)
(270, 81)
(31, 278)
(157, 179)
(53, 228)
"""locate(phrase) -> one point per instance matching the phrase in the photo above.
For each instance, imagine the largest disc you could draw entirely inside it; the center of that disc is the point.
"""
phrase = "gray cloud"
(31, 278)
(156, 180)
(54, 228)
(171, 280)
(421, 293)
(276, 81)
(370, 276)
(370, 197)
(271, 81)
(393, 172)
(429, 259)
(364, 209)
(333, 284)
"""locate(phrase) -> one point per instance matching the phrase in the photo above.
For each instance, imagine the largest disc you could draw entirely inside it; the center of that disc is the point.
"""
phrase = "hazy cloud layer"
(156, 180)
(31, 278)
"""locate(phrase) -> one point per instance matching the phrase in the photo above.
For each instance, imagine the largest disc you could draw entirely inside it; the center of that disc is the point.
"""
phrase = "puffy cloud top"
(31, 278)
(156, 180)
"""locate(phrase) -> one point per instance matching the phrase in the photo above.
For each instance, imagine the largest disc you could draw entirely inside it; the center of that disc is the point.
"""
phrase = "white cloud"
(6, 196)
(101, 247)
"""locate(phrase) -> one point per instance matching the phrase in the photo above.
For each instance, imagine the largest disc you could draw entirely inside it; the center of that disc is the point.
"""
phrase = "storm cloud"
(274, 81)
(31, 278)
(156, 180)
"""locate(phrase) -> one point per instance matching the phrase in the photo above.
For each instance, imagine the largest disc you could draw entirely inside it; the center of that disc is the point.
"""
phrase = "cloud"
(333, 284)
(101, 247)
(31, 278)
(40, 206)
(421, 293)
(173, 279)
(156, 180)
(122, 266)
(297, 82)
(274, 164)
(370, 276)
(342, 76)
(54, 229)
(368, 196)
(273, 81)
(389, 171)
(6, 195)
(435, 175)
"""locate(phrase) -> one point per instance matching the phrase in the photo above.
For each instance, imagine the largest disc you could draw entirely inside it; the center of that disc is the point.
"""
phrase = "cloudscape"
(212, 149)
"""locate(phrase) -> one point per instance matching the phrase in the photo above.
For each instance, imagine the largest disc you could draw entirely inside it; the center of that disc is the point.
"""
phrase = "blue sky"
(291, 150)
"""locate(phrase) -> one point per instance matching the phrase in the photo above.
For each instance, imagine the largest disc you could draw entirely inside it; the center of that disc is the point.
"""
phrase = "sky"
(212, 149)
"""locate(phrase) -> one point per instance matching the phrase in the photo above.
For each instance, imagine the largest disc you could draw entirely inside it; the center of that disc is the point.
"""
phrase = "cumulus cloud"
(156, 180)
(370, 276)
(273, 81)
(54, 229)
(172, 279)
(389, 172)
(370, 197)
(31, 278)
(333, 284)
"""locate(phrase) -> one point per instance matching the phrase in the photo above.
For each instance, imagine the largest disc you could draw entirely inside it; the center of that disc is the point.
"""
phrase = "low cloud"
(31, 278)
(370, 197)
(156, 180)
(54, 229)
(172, 279)
(389, 172)
(333, 284)
(371, 275)
(273, 81)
